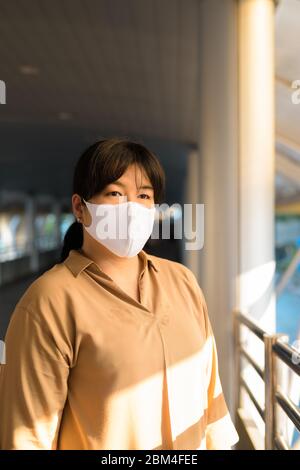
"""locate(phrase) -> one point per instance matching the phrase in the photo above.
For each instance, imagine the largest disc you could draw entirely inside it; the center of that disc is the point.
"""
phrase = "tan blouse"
(89, 367)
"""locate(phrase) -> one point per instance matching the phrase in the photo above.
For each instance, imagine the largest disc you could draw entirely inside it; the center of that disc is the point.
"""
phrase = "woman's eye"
(118, 194)
(113, 193)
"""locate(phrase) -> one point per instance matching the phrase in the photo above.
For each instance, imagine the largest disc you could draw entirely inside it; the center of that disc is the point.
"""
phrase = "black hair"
(103, 163)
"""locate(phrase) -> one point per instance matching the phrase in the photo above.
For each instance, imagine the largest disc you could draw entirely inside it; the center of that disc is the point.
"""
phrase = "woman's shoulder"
(42, 314)
(51, 284)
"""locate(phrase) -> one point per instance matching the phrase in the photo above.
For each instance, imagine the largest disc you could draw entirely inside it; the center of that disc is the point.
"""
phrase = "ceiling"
(79, 70)
(126, 67)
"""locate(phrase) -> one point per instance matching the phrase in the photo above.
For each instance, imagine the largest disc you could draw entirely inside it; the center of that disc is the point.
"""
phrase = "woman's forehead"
(134, 174)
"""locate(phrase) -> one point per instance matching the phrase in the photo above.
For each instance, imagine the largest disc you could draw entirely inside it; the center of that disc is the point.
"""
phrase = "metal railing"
(275, 347)
(25, 247)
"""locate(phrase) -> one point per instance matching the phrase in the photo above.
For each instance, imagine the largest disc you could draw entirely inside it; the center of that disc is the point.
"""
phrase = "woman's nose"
(131, 198)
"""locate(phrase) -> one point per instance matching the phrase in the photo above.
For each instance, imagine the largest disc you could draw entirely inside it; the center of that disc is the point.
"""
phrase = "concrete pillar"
(191, 196)
(236, 171)
(217, 187)
(256, 159)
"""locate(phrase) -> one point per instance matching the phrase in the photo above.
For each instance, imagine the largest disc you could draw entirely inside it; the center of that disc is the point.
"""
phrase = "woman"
(113, 348)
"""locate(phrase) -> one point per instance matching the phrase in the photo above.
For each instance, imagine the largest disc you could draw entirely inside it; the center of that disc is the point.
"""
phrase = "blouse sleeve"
(33, 384)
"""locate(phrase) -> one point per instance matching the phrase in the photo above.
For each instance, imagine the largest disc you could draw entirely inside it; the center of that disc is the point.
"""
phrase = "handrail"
(24, 247)
(254, 364)
(254, 327)
(286, 353)
(289, 407)
(280, 443)
(275, 347)
(254, 401)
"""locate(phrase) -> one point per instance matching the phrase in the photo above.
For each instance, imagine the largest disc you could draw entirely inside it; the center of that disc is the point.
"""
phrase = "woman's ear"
(77, 207)
(86, 217)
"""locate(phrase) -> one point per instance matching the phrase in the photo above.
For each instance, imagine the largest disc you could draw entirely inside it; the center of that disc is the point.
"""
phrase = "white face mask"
(122, 228)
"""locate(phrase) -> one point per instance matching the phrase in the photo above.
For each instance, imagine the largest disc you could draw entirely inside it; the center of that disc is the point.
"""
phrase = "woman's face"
(133, 185)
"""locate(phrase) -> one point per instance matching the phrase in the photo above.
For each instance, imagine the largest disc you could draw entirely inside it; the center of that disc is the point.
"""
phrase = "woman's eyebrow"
(119, 183)
(146, 186)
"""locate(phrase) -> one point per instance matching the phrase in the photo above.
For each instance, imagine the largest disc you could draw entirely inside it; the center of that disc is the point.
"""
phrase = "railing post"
(237, 360)
(269, 340)
(272, 377)
(279, 410)
(282, 422)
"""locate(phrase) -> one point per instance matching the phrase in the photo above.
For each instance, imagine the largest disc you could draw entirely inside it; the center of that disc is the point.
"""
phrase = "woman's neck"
(108, 261)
